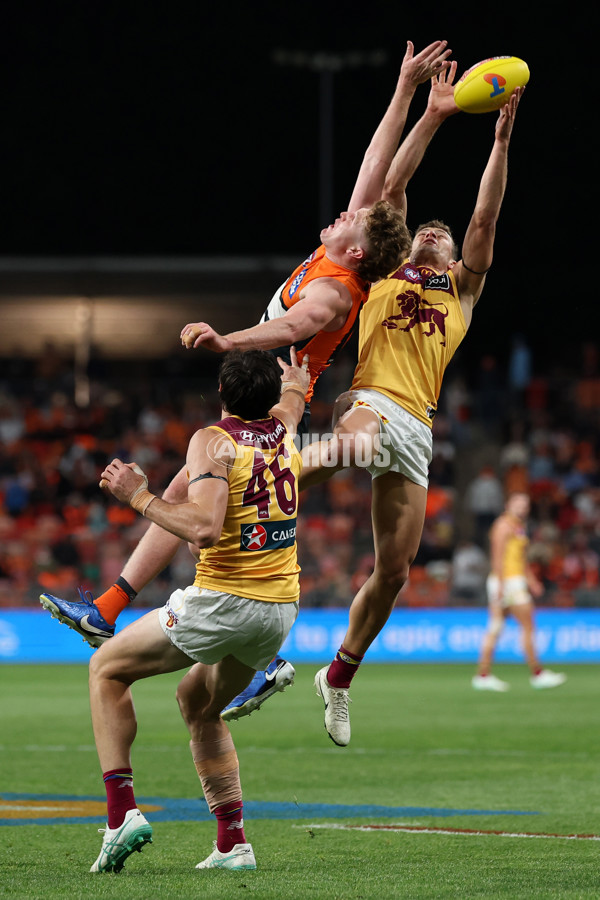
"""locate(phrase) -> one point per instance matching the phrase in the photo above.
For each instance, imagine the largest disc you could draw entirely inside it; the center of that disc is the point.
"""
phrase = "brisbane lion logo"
(417, 311)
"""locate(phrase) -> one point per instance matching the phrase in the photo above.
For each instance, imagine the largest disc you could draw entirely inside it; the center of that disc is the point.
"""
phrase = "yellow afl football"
(488, 84)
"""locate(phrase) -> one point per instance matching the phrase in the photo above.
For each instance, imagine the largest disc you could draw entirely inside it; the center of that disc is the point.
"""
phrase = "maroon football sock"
(119, 795)
(230, 825)
(343, 668)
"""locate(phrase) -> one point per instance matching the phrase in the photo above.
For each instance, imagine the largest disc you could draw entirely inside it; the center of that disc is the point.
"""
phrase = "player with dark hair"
(240, 515)
(316, 310)
(246, 389)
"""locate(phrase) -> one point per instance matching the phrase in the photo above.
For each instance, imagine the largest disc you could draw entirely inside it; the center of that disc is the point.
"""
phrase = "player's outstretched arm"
(295, 381)
(323, 301)
(478, 245)
(415, 70)
(409, 155)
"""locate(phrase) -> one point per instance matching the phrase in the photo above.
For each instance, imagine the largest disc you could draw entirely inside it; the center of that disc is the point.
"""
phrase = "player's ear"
(356, 253)
(452, 263)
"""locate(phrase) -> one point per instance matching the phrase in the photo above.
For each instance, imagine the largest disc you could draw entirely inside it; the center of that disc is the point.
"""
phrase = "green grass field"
(421, 738)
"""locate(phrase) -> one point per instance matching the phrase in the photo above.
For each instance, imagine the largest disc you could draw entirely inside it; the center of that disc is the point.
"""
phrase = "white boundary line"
(453, 832)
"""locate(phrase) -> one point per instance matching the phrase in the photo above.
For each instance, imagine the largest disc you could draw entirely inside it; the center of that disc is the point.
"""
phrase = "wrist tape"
(292, 386)
(141, 498)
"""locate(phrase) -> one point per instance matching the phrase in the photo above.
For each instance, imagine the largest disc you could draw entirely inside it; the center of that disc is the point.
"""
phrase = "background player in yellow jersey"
(410, 327)
(511, 587)
(240, 515)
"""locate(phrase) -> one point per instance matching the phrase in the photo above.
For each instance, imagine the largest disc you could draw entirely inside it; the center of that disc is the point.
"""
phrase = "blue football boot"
(83, 616)
(277, 676)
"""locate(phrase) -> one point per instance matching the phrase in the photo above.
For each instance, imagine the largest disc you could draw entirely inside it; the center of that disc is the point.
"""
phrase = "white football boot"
(336, 700)
(489, 683)
(237, 859)
(121, 842)
(547, 679)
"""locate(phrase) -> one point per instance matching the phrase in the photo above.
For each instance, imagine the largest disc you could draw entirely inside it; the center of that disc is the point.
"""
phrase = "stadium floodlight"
(327, 64)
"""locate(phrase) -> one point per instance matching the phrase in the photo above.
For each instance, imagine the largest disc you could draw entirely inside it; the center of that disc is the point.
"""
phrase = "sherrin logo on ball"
(488, 84)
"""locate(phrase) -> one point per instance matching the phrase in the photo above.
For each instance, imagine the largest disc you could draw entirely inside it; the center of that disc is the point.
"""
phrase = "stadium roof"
(129, 306)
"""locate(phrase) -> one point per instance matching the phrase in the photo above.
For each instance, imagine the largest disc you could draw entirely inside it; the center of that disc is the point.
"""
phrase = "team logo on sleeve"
(270, 536)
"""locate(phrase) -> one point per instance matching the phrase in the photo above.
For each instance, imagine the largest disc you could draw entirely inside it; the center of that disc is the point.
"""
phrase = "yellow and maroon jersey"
(515, 549)
(410, 328)
(255, 556)
(323, 346)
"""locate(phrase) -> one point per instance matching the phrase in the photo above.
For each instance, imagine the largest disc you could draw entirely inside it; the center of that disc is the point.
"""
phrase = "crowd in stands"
(509, 428)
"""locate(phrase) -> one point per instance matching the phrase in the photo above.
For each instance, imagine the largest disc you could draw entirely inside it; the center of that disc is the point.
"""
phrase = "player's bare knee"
(183, 701)
(98, 666)
(194, 707)
(104, 667)
(496, 627)
(394, 576)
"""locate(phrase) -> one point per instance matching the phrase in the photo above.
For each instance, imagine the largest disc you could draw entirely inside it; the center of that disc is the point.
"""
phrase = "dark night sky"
(136, 129)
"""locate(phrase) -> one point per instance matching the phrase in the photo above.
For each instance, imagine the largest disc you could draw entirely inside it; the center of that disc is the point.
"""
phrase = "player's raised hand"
(200, 334)
(429, 62)
(295, 374)
(441, 95)
(507, 115)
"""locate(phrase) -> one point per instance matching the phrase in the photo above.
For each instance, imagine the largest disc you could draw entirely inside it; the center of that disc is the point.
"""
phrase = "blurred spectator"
(541, 463)
(537, 394)
(519, 371)
(441, 470)
(457, 402)
(438, 531)
(587, 388)
(516, 451)
(470, 567)
(485, 501)
(490, 395)
(580, 564)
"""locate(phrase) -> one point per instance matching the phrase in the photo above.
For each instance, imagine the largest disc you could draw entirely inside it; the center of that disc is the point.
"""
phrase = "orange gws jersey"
(410, 328)
(322, 346)
(255, 556)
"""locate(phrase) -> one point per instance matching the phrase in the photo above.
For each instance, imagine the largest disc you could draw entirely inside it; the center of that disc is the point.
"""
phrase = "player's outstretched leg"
(82, 615)
(121, 842)
(276, 677)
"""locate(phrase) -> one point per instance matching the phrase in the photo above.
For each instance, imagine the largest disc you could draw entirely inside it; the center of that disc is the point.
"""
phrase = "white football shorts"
(210, 625)
(406, 443)
(514, 593)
